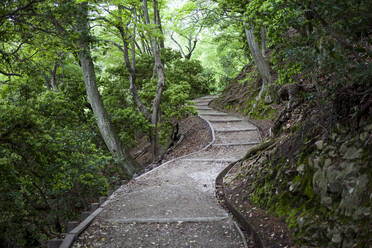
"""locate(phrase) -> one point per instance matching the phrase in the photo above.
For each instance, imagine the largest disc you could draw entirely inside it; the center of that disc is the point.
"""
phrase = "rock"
(268, 99)
(333, 136)
(336, 238)
(327, 162)
(349, 169)
(320, 182)
(102, 199)
(361, 213)
(347, 243)
(343, 130)
(300, 221)
(301, 169)
(316, 162)
(326, 201)
(334, 182)
(368, 128)
(94, 206)
(84, 215)
(351, 196)
(330, 148)
(332, 154)
(71, 225)
(54, 243)
(343, 148)
(319, 144)
(353, 153)
(363, 136)
(310, 162)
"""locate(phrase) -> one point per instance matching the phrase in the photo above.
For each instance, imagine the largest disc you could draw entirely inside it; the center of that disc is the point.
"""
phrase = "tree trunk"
(263, 41)
(130, 64)
(158, 23)
(107, 131)
(53, 76)
(161, 79)
(261, 63)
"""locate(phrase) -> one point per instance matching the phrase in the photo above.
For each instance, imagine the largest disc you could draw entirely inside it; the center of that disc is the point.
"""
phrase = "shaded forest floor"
(195, 135)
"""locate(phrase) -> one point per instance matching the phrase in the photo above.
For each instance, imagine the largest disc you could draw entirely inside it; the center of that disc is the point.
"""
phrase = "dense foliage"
(50, 164)
(53, 160)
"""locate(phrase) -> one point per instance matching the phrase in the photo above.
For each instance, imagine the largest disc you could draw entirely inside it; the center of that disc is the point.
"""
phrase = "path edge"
(236, 213)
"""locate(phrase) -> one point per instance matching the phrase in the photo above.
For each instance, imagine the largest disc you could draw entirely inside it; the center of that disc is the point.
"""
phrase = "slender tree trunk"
(47, 81)
(161, 80)
(261, 63)
(263, 41)
(130, 64)
(53, 76)
(107, 131)
(158, 23)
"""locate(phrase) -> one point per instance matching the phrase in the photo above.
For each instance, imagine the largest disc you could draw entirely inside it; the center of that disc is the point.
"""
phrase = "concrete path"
(174, 205)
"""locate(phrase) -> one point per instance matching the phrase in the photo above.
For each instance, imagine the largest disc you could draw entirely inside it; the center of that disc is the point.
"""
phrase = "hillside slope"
(314, 171)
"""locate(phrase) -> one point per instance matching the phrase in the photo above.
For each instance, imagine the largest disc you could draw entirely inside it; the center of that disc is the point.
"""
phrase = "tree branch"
(10, 74)
(179, 46)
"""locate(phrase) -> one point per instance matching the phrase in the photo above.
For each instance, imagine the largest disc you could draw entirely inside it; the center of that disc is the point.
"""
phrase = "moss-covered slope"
(318, 175)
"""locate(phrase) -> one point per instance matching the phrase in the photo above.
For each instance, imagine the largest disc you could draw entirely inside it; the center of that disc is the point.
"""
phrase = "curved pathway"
(174, 205)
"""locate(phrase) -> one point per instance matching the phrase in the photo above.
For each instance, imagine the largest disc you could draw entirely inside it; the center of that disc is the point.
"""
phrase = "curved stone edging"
(71, 236)
(240, 218)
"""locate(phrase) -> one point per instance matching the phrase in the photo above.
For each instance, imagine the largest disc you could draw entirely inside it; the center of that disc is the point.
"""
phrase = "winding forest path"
(175, 205)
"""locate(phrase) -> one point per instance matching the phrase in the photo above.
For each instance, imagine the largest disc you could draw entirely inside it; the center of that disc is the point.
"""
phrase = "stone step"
(222, 154)
(198, 105)
(234, 125)
(237, 137)
(203, 108)
(210, 160)
(238, 144)
(224, 120)
(235, 130)
(213, 114)
(203, 101)
(208, 97)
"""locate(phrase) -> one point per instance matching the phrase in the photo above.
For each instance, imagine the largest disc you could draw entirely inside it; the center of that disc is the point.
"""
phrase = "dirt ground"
(196, 134)
(273, 231)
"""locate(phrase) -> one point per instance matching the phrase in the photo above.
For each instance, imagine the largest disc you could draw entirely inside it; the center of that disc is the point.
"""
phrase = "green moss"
(307, 185)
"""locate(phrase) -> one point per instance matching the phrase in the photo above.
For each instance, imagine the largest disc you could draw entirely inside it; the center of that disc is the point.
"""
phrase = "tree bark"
(263, 41)
(261, 63)
(157, 21)
(53, 77)
(161, 80)
(107, 131)
(130, 64)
